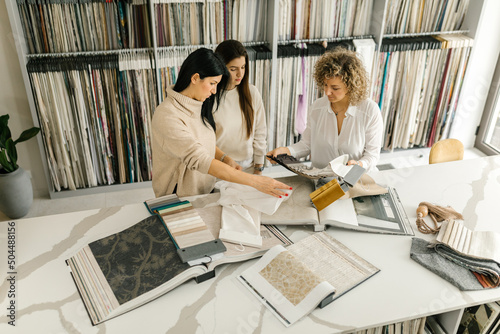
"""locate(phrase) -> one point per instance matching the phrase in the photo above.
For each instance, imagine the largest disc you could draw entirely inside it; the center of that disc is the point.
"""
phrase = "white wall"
(480, 71)
(14, 101)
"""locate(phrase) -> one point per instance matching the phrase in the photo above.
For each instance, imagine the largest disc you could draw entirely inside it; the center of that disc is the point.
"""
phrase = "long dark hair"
(230, 50)
(207, 64)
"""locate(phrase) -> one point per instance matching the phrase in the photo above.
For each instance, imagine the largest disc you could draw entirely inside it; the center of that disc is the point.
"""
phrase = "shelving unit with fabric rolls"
(96, 126)
(95, 74)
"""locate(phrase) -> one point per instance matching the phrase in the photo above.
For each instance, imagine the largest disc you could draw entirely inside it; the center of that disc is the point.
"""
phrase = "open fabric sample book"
(381, 213)
(125, 270)
(315, 271)
(187, 229)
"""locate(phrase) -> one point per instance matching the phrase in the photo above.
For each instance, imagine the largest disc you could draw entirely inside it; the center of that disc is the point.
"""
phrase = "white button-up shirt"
(360, 136)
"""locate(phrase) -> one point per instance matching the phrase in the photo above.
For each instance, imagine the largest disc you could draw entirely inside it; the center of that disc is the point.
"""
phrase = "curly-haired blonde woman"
(344, 120)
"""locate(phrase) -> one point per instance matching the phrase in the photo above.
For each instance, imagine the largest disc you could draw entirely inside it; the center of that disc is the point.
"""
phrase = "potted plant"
(16, 192)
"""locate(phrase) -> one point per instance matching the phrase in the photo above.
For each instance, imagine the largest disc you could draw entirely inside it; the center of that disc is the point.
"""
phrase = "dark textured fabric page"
(138, 259)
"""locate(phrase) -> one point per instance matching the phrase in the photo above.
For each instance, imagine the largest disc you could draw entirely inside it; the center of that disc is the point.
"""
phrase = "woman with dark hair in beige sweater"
(186, 160)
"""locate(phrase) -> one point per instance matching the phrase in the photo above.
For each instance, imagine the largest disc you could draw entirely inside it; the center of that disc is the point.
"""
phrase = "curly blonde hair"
(345, 64)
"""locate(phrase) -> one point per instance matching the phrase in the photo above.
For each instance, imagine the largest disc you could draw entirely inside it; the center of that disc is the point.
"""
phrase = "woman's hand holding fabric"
(277, 151)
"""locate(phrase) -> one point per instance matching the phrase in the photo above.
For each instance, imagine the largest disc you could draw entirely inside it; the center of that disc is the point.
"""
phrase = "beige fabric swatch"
(290, 277)
(366, 186)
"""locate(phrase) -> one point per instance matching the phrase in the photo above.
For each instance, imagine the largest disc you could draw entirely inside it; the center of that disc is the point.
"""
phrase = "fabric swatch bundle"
(470, 260)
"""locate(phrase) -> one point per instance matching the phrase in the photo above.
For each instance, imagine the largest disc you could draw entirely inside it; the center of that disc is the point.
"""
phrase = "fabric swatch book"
(125, 270)
(381, 213)
(292, 282)
(301, 168)
(477, 251)
(480, 319)
(186, 228)
(347, 175)
(477, 244)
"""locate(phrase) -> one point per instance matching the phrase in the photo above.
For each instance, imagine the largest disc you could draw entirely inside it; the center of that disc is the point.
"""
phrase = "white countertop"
(47, 300)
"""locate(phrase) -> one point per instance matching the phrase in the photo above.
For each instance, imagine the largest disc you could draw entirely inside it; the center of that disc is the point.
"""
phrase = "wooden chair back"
(446, 150)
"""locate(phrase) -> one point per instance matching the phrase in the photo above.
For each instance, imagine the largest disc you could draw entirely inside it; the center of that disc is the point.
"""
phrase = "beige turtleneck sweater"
(183, 147)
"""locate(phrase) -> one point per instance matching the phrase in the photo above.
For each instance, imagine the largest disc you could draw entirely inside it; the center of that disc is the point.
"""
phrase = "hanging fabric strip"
(95, 119)
(84, 25)
(421, 79)
(323, 19)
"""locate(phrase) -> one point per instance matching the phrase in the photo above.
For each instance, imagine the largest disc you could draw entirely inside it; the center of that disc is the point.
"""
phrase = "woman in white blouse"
(344, 120)
(240, 116)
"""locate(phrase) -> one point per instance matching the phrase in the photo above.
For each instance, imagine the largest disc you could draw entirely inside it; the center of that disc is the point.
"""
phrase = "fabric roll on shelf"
(417, 87)
(70, 26)
(95, 115)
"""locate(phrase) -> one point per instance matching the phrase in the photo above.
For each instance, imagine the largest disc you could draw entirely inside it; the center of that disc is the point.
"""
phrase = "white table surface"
(47, 300)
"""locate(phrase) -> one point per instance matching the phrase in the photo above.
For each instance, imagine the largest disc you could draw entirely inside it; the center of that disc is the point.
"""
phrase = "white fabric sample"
(338, 165)
(365, 48)
(241, 209)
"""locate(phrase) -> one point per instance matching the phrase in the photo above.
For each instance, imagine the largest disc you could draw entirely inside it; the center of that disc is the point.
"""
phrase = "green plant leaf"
(6, 165)
(4, 130)
(11, 152)
(27, 134)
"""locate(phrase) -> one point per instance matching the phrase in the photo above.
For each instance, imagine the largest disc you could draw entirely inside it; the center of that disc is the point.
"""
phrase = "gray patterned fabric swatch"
(450, 265)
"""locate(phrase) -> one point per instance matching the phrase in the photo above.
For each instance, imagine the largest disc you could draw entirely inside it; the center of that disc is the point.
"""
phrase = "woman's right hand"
(269, 186)
(277, 151)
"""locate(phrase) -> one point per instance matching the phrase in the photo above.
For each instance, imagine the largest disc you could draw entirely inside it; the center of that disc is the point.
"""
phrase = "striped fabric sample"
(181, 220)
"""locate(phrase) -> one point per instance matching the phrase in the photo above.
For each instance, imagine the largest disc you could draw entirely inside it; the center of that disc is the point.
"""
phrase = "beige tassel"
(437, 214)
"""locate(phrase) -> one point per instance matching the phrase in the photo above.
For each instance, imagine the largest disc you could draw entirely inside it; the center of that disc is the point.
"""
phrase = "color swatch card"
(187, 229)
